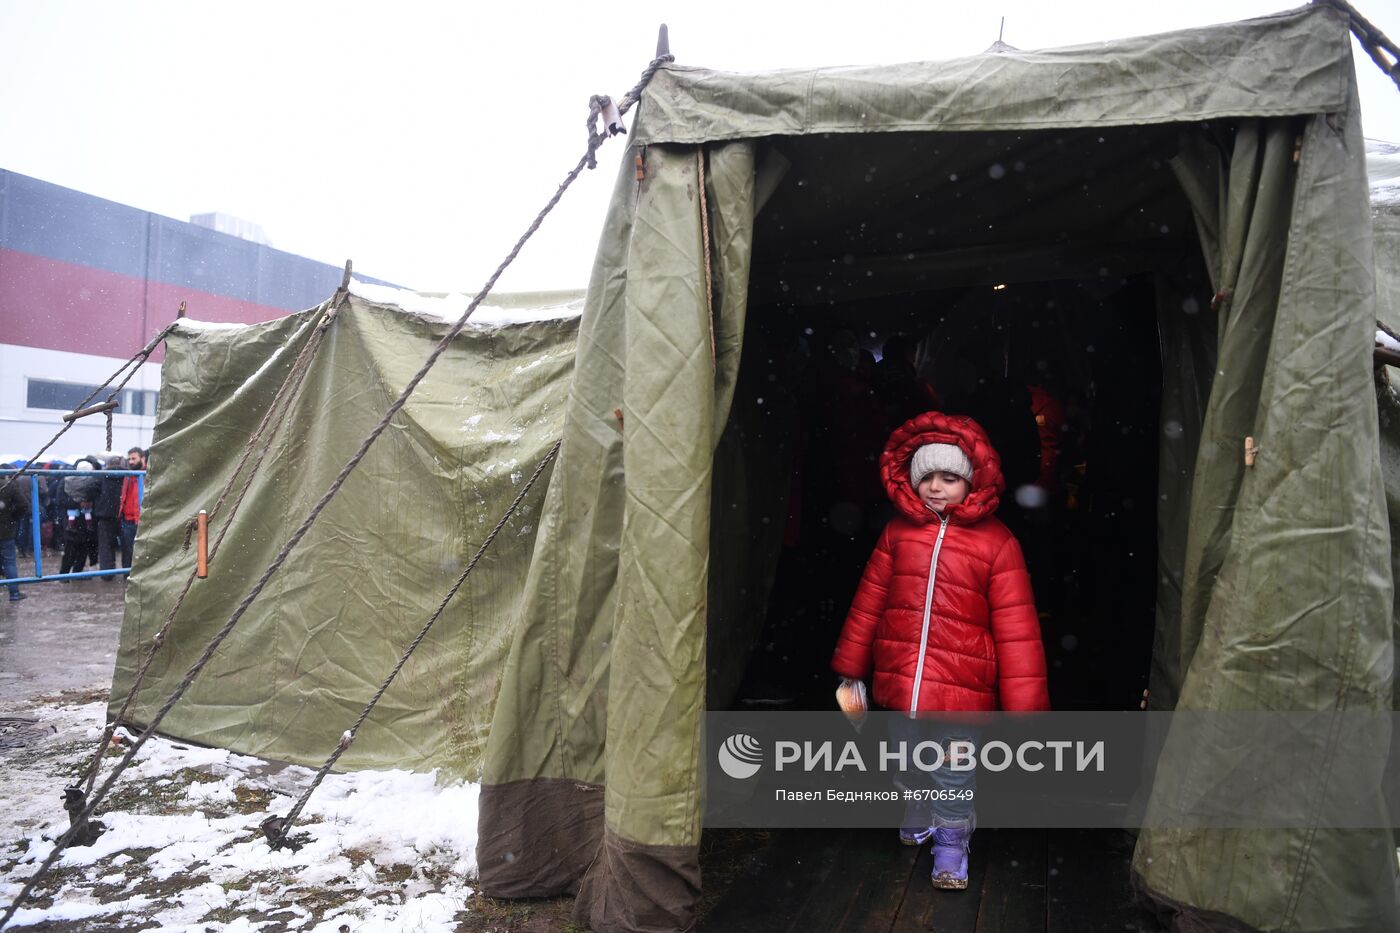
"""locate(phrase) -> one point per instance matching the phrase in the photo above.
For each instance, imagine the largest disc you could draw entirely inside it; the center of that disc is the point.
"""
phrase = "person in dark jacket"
(59, 504)
(80, 534)
(24, 536)
(14, 505)
(106, 510)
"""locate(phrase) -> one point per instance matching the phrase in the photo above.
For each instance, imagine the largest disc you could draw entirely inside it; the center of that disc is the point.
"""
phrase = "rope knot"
(601, 105)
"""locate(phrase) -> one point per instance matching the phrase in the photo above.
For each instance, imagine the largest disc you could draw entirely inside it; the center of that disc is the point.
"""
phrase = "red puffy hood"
(934, 427)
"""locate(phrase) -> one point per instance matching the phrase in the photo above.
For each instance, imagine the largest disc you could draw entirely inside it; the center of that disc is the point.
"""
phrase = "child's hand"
(851, 697)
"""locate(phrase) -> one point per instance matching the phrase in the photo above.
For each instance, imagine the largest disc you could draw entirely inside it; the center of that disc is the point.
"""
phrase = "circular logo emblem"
(740, 756)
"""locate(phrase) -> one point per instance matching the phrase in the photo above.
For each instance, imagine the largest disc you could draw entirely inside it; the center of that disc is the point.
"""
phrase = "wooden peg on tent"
(345, 279)
(641, 168)
(201, 566)
(1249, 451)
(663, 42)
(90, 410)
(179, 315)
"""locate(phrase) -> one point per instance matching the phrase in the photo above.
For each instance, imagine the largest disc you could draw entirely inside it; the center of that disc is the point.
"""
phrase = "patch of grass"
(319, 900)
(161, 890)
(55, 880)
(395, 874)
(251, 799)
(89, 924)
(247, 882)
(164, 796)
(281, 916)
(222, 915)
(77, 697)
(357, 857)
(534, 915)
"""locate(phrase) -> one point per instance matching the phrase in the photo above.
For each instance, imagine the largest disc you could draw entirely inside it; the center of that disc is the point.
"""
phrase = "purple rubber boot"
(950, 858)
(917, 826)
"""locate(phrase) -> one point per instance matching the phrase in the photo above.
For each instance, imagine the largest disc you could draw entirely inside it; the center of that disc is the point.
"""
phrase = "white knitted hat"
(939, 458)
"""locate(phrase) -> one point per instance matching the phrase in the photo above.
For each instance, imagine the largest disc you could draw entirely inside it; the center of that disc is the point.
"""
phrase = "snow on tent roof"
(499, 308)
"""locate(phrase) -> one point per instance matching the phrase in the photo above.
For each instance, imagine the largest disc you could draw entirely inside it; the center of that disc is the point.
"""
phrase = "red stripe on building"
(55, 305)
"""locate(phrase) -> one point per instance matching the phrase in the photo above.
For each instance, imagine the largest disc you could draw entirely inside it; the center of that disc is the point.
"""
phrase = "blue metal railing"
(36, 521)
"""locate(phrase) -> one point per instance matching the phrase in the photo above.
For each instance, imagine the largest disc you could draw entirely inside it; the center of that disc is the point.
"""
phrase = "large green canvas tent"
(571, 676)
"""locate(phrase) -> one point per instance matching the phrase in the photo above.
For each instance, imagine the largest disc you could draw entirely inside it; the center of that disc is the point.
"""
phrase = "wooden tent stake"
(202, 547)
(1249, 451)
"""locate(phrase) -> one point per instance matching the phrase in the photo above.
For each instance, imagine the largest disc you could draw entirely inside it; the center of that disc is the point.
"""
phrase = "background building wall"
(86, 282)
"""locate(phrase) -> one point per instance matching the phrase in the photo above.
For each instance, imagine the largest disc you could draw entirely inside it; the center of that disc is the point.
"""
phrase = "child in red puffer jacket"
(944, 617)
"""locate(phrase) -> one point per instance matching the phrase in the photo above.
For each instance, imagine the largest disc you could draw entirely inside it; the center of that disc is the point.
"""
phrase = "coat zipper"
(928, 613)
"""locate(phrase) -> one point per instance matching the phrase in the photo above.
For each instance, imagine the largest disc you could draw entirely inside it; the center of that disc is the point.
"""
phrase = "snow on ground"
(382, 850)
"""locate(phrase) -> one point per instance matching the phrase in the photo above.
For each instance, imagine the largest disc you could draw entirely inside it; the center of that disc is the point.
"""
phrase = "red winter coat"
(981, 635)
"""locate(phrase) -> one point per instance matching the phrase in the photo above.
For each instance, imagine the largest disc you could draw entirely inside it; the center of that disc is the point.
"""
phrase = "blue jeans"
(9, 565)
(953, 812)
(128, 539)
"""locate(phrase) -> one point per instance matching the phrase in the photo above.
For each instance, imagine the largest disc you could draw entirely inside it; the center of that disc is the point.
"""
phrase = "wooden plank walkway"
(1059, 881)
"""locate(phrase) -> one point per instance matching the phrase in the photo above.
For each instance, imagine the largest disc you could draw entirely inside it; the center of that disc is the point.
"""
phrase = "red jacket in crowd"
(947, 625)
(130, 510)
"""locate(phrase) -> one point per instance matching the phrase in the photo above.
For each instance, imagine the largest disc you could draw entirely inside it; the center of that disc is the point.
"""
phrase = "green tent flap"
(312, 650)
(1287, 596)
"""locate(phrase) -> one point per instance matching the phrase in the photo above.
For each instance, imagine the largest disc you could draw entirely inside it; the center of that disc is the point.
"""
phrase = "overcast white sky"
(420, 138)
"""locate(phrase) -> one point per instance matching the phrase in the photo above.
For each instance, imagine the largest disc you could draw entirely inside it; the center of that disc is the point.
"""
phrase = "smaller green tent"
(308, 655)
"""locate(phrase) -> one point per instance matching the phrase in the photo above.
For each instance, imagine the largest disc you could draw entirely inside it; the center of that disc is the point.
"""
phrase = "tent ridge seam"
(676, 138)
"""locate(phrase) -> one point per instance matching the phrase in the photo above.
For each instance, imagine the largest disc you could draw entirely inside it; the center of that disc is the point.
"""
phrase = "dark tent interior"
(1014, 277)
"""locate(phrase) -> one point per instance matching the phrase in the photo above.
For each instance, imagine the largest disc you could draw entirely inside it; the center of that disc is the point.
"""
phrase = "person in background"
(24, 536)
(129, 513)
(897, 382)
(58, 507)
(24, 533)
(106, 509)
(14, 505)
(80, 534)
